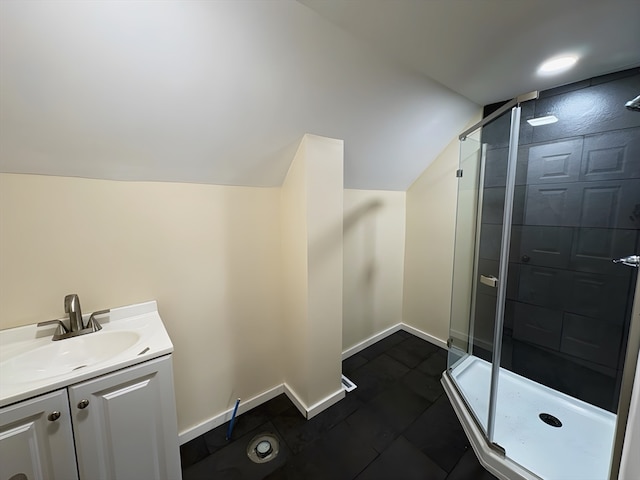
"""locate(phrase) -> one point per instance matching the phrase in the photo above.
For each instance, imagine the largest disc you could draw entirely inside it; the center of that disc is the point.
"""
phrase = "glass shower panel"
(464, 248)
(481, 194)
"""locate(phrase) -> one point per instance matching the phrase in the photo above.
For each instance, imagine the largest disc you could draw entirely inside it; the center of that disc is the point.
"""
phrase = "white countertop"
(139, 324)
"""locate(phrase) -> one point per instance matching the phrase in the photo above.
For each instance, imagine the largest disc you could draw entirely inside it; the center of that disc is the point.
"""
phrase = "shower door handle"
(631, 260)
(489, 281)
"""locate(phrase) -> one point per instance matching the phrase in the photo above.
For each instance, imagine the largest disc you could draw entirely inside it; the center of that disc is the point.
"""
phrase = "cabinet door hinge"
(459, 173)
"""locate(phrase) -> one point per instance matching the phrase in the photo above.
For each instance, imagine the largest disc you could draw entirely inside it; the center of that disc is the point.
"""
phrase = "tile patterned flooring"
(398, 424)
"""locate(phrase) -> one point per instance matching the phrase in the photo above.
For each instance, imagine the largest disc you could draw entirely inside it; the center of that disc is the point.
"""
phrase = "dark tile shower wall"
(576, 206)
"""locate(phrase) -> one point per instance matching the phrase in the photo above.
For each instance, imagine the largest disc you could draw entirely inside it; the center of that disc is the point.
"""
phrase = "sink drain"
(263, 448)
(550, 420)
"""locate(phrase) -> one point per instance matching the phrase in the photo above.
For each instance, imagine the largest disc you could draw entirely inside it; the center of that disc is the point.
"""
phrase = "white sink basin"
(64, 356)
(32, 364)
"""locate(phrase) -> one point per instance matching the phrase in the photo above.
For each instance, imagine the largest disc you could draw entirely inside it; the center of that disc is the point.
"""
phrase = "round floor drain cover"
(550, 420)
(263, 448)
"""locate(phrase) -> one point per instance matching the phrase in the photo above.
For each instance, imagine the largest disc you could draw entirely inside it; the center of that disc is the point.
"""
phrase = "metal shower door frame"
(507, 216)
(514, 134)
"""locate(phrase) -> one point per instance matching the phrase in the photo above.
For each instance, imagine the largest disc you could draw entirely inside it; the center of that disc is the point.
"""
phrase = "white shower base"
(579, 450)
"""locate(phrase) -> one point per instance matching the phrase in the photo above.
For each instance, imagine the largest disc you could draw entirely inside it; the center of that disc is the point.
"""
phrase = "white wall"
(210, 255)
(325, 210)
(214, 257)
(430, 236)
(431, 213)
(202, 251)
(374, 245)
(312, 208)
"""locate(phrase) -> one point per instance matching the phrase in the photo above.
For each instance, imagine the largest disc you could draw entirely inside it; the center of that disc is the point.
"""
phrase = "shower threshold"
(546, 434)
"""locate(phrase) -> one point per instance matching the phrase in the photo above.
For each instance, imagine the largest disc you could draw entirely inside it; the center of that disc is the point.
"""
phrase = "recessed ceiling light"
(536, 122)
(557, 65)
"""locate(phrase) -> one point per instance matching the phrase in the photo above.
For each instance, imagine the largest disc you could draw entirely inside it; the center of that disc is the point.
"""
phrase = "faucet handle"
(61, 330)
(92, 323)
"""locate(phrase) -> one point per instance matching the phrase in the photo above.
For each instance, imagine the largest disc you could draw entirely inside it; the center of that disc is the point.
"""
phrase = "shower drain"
(263, 448)
(550, 420)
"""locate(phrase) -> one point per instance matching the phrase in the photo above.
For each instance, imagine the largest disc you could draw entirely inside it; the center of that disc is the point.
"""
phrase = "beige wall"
(374, 248)
(210, 255)
(312, 209)
(325, 210)
(214, 257)
(295, 272)
(430, 235)
(241, 275)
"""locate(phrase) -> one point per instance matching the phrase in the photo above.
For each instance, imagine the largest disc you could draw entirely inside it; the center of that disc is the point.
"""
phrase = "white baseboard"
(391, 330)
(216, 421)
(316, 408)
(313, 410)
(325, 403)
(371, 340)
(295, 399)
(424, 336)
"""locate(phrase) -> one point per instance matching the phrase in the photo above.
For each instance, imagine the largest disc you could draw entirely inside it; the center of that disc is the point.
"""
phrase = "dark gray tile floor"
(398, 424)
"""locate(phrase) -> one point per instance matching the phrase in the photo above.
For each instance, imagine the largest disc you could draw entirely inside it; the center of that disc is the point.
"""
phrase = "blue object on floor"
(233, 419)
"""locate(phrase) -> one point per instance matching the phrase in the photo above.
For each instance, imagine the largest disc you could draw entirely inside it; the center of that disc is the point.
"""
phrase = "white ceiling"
(489, 50)
(221, 92)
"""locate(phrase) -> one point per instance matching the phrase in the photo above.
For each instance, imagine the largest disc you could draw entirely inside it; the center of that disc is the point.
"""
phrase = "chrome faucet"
(72, 307)
(76, 325)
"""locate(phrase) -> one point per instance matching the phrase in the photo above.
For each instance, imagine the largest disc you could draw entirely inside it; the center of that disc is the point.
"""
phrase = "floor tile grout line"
(378, 454)
(458, 462)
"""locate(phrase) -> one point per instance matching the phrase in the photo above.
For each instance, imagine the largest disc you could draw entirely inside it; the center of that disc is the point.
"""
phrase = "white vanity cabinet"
(36, 441)
(119, 426)
(125, 424)
(97, 406)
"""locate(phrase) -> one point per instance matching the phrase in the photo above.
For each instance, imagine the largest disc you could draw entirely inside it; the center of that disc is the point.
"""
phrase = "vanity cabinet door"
(36, 442)
(125, 424)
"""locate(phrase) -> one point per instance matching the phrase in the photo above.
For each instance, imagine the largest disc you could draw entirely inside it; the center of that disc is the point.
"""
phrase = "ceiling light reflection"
(557, 65)
(536, 122)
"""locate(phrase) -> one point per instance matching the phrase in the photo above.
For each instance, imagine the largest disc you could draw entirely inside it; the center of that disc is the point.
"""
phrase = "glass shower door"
(542, 326)
(482, 184)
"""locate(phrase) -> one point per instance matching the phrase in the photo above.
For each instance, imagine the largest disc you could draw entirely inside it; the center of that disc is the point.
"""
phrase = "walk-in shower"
(541, 317)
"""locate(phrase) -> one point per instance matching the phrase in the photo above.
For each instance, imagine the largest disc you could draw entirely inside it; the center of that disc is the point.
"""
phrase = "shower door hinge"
(459, 173)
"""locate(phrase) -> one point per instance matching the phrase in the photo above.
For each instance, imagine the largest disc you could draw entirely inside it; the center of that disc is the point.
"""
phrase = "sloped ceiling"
(221, 92)
(489, 50)
(209, 92)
